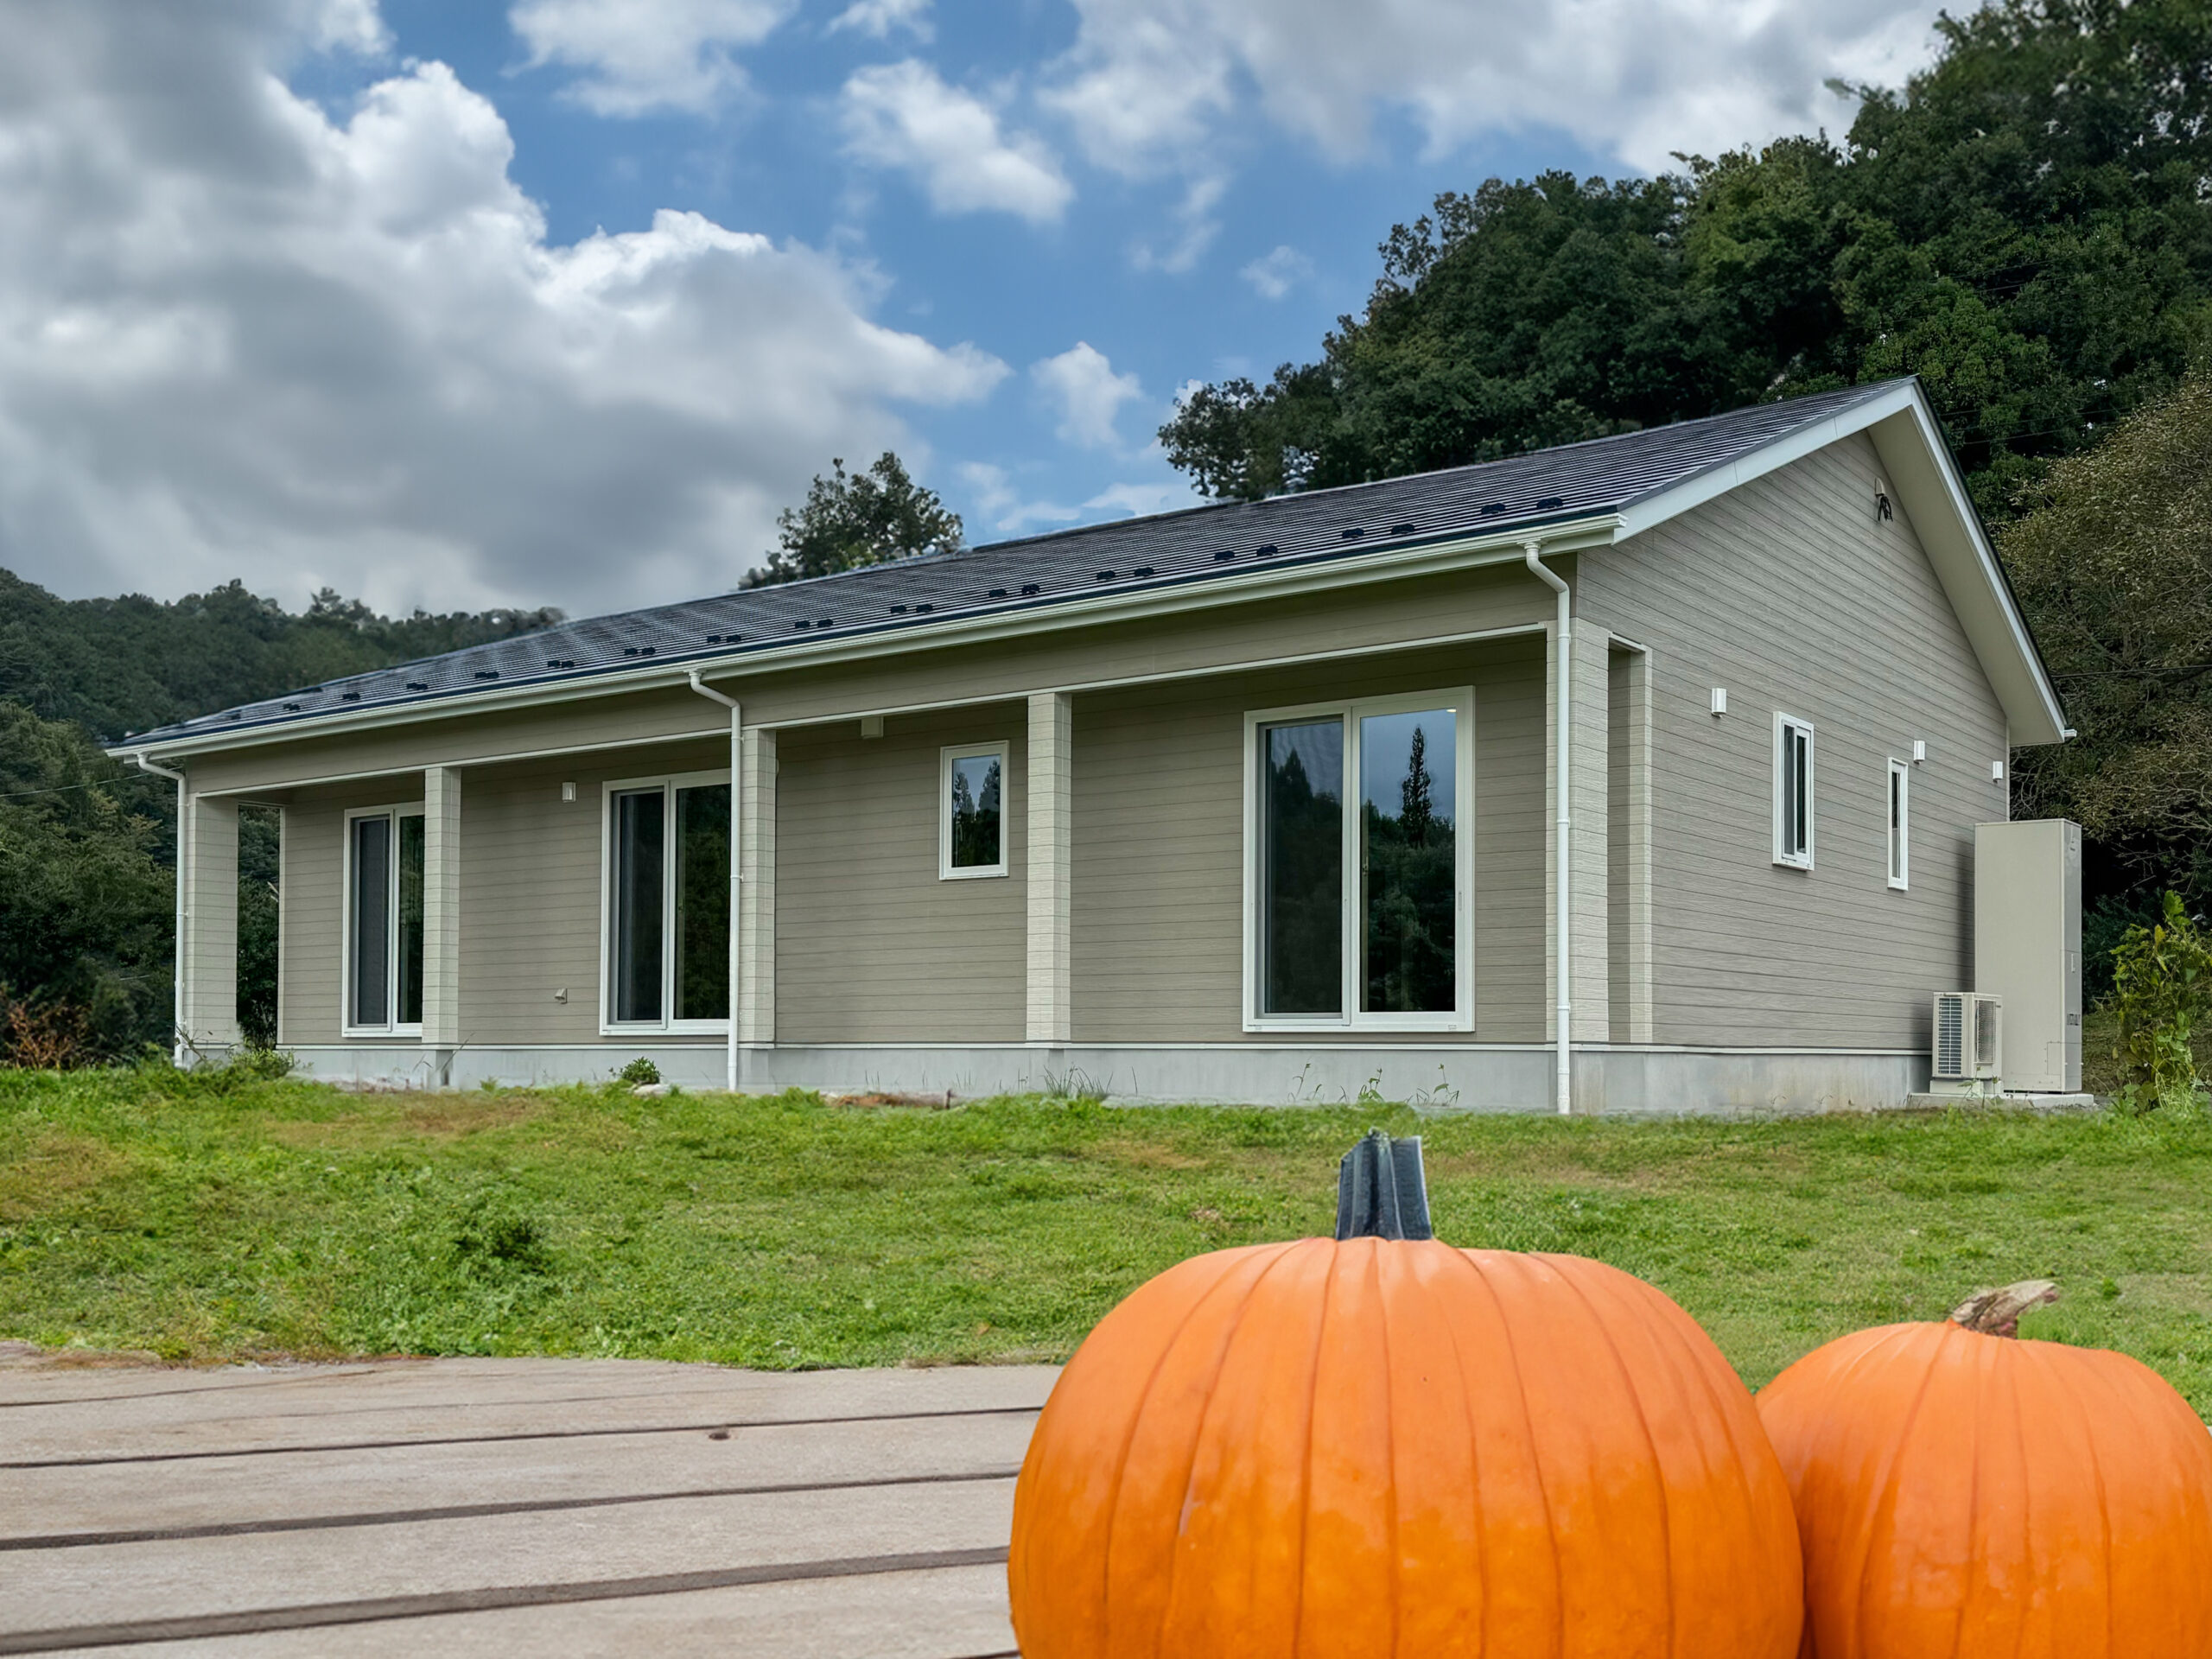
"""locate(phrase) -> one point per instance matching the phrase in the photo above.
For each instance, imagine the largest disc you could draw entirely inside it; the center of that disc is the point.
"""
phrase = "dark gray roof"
(1215, 545)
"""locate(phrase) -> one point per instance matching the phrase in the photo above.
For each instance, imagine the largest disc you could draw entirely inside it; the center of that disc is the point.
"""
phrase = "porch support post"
(442, 917)
(1050, 841)
(207, 924)
(756, 907)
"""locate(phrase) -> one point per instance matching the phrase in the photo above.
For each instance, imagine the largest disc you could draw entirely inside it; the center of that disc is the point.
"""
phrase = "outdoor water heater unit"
(2027, 948)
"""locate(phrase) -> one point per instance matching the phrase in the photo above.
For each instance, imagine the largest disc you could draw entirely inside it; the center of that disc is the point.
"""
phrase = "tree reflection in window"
(1303, 837)
(976, 812)
(1408, 863)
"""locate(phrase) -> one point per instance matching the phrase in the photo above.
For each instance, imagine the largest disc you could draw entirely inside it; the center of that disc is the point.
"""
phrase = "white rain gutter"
(1562, 718)
(176, 970)
(736, 737)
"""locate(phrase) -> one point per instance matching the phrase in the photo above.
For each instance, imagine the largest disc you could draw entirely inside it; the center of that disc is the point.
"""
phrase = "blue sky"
(455, 303)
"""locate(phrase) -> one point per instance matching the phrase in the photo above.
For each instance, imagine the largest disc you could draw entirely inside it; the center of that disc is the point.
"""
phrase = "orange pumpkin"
(1378, 1447)
(1961, 1493)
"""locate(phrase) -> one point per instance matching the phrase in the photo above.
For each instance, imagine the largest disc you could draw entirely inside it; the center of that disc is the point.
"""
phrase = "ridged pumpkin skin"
(1968, 1497)
(1389, 1450)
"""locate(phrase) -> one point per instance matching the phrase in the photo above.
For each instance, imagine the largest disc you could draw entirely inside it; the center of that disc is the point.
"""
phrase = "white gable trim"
(1919, 468)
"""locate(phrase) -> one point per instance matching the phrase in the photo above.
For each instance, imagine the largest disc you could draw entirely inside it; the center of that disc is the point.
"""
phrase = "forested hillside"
(115, 666)
(86, 846)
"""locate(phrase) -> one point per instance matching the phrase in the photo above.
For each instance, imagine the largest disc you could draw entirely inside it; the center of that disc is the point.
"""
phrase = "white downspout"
(176, 970)
(736, 737)
(1562, 950)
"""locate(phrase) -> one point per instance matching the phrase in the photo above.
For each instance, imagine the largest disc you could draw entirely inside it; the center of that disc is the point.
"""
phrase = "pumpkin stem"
(1382, 1191)
(1996, 1312)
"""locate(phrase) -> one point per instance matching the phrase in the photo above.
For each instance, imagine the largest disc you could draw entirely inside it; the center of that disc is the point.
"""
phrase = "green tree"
(2029, 226)
(2025, 225)
(2112, 560)
(852, 519)
(85, 888)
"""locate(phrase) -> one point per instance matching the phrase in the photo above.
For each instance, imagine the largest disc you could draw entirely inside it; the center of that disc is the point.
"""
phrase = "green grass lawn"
(207, 1221)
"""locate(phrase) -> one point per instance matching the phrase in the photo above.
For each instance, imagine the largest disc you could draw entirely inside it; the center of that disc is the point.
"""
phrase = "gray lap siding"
(1158, 895)
(1790, 593)
(871, 945)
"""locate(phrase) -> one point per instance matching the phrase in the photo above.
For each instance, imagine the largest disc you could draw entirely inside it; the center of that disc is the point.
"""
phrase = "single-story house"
(1640, 773)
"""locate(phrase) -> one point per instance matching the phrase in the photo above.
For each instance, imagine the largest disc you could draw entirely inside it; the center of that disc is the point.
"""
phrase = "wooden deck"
(468, 1506)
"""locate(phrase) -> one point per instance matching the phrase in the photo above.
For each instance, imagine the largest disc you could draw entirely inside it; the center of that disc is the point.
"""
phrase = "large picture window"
(667, 905)
(1361, 865)
(383, 922)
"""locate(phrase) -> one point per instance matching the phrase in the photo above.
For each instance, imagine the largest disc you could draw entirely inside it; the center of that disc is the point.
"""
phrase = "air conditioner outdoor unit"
(1969, 1048)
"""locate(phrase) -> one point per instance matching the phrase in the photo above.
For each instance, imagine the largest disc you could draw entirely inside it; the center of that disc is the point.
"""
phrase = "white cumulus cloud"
(904, 116)
(1153, 83)
(1141, 501)
(1085, 393)
(637, 56)
(240, 337)
(1003, 506)
(1273, 274)
(881, 19)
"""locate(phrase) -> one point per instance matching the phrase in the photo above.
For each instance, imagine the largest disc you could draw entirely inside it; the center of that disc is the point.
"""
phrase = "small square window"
(971, 810)
(1900, 825)
(1793, 791)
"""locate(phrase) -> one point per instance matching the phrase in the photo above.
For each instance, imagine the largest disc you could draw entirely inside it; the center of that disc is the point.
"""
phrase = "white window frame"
(1460, 701)
(1794, 858)
(667, 784)
(1897, 820)
(346, 1025)
(946, 871)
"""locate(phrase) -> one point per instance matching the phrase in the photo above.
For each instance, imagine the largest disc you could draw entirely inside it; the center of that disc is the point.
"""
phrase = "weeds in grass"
(2162, 989)
(45, 1036)
(1074, 1083)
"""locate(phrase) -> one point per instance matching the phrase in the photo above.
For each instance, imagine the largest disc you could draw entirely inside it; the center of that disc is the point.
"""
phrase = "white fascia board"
(1164, 599)
(1918, 465)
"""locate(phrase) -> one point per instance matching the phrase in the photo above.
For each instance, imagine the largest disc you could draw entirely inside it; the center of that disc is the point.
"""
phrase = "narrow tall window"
(1900, 825)
(1793, 791)
(971, 810)
(667, 903)
(384, 921)
(1302, 859)
(1360, 869)
(640, 851)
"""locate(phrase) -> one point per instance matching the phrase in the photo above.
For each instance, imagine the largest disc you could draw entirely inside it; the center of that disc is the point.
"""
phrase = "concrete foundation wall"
(1431, 1076)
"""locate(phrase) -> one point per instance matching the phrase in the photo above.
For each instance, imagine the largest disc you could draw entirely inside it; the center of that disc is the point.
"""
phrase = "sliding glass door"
(667, 903)
(1362, 869)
